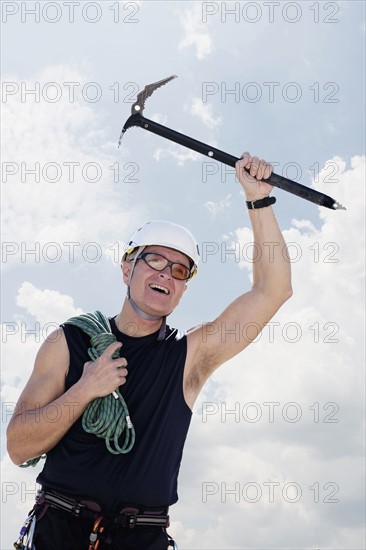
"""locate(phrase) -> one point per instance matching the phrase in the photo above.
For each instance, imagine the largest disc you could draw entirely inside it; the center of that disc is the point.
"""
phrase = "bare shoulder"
(47, 381)
(53, 351)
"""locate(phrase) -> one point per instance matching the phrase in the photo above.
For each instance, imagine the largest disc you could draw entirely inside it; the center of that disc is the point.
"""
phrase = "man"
(159, 372)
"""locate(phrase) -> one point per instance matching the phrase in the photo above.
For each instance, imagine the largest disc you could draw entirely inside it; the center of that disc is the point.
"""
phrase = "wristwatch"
(267, 201)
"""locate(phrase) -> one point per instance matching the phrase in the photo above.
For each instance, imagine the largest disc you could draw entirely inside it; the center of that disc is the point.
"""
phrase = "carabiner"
(93, 538)
(31, 533)
(26, 533)
(172, 542)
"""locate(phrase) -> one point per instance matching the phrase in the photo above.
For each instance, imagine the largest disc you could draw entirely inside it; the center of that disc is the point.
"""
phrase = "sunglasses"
(159, 263)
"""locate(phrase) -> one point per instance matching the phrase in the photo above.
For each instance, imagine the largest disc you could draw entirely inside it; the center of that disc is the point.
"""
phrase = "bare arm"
(45, 412)
(212, 344)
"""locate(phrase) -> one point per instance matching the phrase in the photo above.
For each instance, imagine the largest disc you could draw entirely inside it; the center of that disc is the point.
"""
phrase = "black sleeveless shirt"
(80, 464)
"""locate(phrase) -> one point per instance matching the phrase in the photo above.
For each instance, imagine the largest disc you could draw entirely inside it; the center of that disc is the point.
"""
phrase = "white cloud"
(181, 156)
(17, 357)
(159, 118)
(218, 208)
(195, 32)
(204, 113)
(330, 127)
(46, 305)
(41, 312)
(73, 191)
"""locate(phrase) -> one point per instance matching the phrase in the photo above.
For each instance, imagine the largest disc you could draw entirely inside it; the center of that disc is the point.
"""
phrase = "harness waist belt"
(127, 517)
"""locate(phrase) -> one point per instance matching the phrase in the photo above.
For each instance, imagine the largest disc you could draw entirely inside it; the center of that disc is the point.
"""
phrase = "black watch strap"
(267, 201)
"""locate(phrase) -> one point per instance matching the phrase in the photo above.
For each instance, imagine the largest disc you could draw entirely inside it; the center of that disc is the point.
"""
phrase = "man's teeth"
(160, 288)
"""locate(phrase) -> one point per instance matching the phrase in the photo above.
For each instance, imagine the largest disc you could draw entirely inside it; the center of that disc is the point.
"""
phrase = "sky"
(275, 454)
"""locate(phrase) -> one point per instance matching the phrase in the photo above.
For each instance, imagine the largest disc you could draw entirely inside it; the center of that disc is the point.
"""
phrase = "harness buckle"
(132, 519)
(129, 516)
(75, 510)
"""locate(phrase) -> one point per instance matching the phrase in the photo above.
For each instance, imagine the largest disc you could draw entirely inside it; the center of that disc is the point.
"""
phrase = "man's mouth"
(159, 288)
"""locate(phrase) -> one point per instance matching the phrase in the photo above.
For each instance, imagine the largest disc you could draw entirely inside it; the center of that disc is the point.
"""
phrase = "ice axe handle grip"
(277, 181)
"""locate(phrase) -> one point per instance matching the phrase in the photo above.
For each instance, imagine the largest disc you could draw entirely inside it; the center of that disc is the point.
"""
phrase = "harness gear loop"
(26, 534)
(106, 417)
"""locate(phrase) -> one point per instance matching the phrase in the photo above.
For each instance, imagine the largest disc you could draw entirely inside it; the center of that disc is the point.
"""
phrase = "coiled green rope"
(106, 417)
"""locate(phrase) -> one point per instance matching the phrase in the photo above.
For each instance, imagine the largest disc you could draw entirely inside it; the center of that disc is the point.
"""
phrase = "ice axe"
(136, 119)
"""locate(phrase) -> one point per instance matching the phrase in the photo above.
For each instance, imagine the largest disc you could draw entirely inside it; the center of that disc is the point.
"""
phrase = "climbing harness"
(128, 517)
(77, 508)
(106, 417)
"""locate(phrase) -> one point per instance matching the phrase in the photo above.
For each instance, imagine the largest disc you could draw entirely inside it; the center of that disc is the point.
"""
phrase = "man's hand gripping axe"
(136, 119)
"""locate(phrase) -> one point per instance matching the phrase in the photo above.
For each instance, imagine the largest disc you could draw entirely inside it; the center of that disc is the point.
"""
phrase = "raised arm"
(44, 411)
(211, 344)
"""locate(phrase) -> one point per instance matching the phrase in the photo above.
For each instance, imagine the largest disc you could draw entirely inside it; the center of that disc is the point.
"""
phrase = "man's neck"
(130, 323)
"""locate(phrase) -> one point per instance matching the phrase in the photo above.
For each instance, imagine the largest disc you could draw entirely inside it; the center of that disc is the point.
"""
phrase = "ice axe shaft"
(215, 154)
(137, 119)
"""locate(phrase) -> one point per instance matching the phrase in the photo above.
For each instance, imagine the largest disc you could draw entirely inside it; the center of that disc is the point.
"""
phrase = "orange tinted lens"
(180, 271)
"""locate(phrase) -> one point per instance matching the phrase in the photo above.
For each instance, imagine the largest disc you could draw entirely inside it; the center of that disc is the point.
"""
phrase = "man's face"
(156, 292)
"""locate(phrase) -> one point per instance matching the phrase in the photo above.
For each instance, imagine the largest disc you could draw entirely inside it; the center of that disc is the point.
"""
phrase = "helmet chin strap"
(136, 308)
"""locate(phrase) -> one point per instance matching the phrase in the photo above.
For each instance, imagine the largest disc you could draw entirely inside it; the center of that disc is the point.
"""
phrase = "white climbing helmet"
(163, 233)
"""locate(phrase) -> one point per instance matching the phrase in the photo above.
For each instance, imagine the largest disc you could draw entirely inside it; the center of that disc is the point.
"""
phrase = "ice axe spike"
(137, 119)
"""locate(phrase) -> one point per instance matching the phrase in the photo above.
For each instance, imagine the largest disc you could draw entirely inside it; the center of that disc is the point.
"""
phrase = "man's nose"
(166, 272)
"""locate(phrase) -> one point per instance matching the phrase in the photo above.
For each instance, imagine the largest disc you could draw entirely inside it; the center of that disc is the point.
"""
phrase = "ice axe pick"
(137, 119)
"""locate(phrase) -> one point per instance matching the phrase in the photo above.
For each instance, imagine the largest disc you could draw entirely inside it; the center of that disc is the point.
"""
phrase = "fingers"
(111, 349)
(264, 170)
(258, 168)
(245, 160)
(122, 372)
(106, 359)
(268, 169)
(104, 375)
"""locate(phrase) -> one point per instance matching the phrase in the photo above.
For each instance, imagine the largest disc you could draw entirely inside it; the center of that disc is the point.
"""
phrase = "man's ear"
(125, 268)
